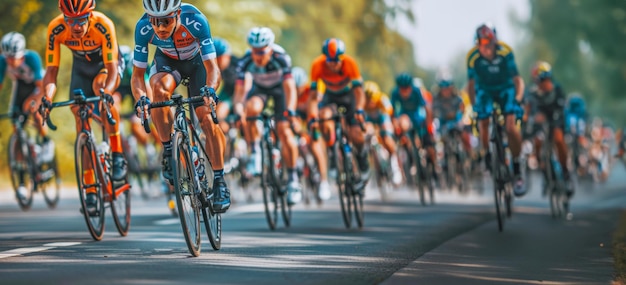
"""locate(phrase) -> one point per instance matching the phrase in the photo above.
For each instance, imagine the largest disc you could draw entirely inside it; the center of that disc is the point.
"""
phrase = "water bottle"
(276, 158)
(198, 163)
(103, 153)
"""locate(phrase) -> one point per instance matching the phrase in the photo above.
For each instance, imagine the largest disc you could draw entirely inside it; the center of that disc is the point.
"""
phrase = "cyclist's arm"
(312, 108)
(50, 82)
(212, 73)
(138, 83)
(471, 91)
(519, 88)
(112, 77)
(357, 83)
(289, 84)
(110, 55)
(241, 83)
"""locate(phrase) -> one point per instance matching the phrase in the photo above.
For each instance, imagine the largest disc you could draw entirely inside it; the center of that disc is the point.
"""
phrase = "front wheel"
(270, 191)
(213, 226)
(51, 193)
(90, 179)
(185, 189)
(342, 185)
(21, 168)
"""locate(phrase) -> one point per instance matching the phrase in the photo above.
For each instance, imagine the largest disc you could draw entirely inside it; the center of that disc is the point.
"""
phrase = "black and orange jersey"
(336, 83)
(98, 45)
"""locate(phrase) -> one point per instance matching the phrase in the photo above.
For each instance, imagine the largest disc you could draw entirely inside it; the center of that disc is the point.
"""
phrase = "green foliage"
(583, 41)
(301, 27)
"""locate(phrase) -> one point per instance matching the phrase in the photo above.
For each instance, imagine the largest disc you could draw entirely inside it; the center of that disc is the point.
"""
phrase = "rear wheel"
(85, 159)
(270, 192)
(342, 183)
(21, 167)
(186, 198)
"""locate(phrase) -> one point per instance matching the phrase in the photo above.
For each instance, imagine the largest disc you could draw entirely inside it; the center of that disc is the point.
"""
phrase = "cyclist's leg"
(289, 151)
(355, 134)
(388, 141)
(255, 102)
(483, 109)
(223, 109)
(318, 147)
(511, 110)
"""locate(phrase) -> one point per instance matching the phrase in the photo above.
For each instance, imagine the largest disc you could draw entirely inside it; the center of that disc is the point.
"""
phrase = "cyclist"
(449, 109)
(315, 146)
(576, 117)
(23, 67)
(125, 91)
(91, 37)
(185, 49)
(228, 67)
(548, 98)
(270, 67)
(493, 75)
(344, 87)
(379, 110)
(412, 112)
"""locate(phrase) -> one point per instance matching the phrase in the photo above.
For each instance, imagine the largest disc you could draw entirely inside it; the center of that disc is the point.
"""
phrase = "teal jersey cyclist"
(493, 76)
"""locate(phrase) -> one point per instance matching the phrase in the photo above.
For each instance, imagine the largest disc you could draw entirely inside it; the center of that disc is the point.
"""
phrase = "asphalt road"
(453, 242)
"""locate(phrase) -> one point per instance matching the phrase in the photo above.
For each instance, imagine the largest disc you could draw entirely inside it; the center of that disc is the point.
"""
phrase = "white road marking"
(25, 250)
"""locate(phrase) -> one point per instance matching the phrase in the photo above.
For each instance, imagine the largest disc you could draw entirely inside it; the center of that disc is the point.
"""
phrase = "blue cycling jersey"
(494, 75)
(408, 105)
(29, 71)
(192, 37)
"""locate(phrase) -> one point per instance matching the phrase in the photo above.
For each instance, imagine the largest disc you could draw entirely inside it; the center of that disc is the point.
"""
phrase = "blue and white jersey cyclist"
(185, 49)
(270, 69)
(493, 76)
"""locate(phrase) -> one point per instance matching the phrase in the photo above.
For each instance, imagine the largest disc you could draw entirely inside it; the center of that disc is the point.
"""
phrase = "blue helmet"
(576, 101)
(333, 49)
(221, 46)
(404, 80)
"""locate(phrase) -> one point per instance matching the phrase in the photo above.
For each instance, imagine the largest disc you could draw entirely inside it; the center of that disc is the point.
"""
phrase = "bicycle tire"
(342, 183)
(270, 192)
(286, 210)
(26, 170)
(419, 176)
(52, 194)
(213, 226)
(120, 209)
(186, 199)
(380, 175)
(359, 214)
(95, 221)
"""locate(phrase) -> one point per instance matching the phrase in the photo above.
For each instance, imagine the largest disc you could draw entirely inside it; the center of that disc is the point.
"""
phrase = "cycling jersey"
(97, 46)
(494, 75)
(448, 109)
(549, 102)
(272, 75)
(409, 105)
(229, 77)
(192, 37)
(336, 83)
(28, 72)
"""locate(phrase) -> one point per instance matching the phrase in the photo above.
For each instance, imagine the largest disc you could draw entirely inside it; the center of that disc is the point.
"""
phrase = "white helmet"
(160, 8)
(259, 37)
(299, 75)
(13, 44)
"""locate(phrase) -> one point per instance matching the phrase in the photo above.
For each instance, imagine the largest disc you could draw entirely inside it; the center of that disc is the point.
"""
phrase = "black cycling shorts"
(346, 100)
(277, 93)
(192, 69)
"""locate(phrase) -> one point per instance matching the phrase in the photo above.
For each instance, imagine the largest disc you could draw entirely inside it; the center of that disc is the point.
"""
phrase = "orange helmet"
(76, 8)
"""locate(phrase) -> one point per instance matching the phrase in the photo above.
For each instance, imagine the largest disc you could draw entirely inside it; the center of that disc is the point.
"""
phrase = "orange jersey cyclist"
(270, 67)
(91, 37)
(184, 50)
(344, 88)
(493, 76)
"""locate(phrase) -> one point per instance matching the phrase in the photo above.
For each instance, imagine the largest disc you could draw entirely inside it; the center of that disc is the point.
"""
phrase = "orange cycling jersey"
(382, 105)
(98, 45)
(341, 82)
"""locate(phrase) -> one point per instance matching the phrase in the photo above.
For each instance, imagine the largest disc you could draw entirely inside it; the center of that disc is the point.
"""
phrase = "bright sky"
(446, 28)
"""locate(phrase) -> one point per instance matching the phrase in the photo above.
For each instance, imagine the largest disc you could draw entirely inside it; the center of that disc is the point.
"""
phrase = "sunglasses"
(79, 21)
(158, 21)
(333, 60)
(260, 51)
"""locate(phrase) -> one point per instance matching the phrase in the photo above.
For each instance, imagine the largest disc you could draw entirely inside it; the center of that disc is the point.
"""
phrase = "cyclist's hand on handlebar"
(44, 108)
(209, 95)
(359, 115)
(142, 107)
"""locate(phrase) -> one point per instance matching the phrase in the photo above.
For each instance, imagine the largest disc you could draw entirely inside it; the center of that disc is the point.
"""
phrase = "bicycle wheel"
(357, 200)
(342, 186)
(120, 209)
(420, 177)
(381, 176)
(270, 191)
(428, 172)
(51, 193)
(86, 158)
(286, 210)
(21, 168)
(213, 225)
(186, 198)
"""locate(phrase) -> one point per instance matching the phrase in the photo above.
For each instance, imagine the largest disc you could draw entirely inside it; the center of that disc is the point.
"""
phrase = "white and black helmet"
(160, 8)
(13, 44)
(259, 37)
